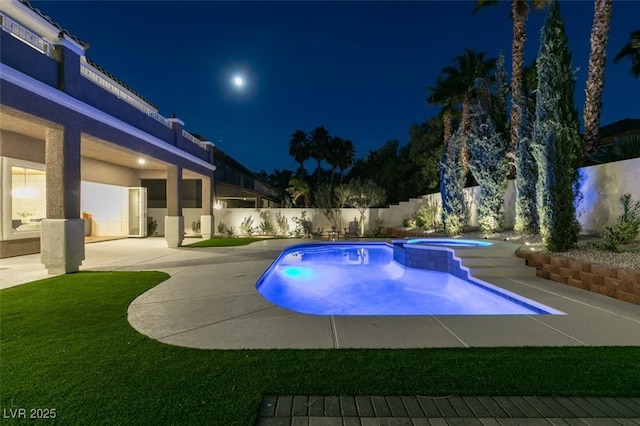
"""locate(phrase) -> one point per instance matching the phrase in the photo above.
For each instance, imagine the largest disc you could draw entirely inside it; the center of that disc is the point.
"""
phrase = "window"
(192, 193)
(28, 199)
(157, 193)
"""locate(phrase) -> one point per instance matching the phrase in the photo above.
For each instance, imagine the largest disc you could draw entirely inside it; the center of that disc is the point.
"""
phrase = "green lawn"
(226, 242)
(66, 345)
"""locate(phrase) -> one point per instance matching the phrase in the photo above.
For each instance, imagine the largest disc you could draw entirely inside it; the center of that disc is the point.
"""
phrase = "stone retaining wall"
(619, 283)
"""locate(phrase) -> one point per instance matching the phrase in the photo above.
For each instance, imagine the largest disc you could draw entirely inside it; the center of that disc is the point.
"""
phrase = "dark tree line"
(405, 171)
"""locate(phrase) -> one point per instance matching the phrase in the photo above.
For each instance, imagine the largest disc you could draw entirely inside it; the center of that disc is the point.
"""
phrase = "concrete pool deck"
(210, 302)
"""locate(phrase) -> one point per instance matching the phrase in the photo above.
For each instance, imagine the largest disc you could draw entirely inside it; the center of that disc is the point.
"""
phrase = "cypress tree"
(499, 101)
(452, 180)
(556, 139)
(488, 160)
(526, 221)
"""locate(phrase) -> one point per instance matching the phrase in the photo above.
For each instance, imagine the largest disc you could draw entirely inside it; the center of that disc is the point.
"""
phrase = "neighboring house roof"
(55, 24)
(620, 127)
(218, 153)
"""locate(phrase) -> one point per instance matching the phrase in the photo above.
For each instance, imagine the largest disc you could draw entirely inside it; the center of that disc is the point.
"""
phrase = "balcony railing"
(97, 77)
(23, 34)
(193, 139)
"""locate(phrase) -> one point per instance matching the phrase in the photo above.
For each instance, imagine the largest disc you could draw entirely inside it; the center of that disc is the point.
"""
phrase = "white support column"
(206, 226)
(62, 245)
(62, 232)
(206, 219)
(174, 221)
(174, 230)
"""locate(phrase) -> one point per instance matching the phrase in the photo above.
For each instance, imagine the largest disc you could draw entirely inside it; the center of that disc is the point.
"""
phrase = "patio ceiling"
(91, 147)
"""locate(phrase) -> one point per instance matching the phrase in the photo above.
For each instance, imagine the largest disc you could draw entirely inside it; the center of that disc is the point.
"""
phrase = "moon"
(238, 81)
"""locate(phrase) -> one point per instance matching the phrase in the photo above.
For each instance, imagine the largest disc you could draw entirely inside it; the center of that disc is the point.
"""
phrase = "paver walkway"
(302, 410)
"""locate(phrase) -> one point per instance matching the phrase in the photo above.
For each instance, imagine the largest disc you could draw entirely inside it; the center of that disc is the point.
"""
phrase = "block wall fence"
(601, 188)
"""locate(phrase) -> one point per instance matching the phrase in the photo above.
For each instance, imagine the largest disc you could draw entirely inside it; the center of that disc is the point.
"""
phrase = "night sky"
(358, 68)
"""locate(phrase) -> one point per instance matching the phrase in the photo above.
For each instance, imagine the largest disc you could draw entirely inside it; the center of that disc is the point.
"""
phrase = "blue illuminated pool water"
(364, 279)
(452, 242)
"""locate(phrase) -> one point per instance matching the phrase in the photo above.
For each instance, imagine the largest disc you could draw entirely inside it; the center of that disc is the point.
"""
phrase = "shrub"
(246, 227)
(283, 224)
(195, 226)
(626, 228)
(378, 228)
(301, 224)
(409, 222)
(231, 231)
(265, 225)
(152, 226)
(428, 215)
(221, 228)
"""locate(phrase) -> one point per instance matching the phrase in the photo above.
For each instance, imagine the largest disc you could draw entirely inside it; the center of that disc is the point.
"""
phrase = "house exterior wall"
(93, 170)
(23, 58)
(23, 147)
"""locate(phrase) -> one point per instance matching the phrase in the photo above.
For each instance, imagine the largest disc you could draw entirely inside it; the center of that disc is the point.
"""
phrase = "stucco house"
(74, 141)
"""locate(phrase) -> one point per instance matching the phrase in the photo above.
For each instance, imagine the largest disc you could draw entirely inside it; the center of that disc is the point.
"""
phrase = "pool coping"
(212, 303)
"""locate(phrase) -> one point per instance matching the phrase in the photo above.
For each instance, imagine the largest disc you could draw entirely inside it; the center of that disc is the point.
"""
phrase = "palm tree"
(299, 149)
(441, 94)
(632, 51)
(299, 189)
(340, 155)
(333, 155)
(595, 79)
(519, 12)
(459, 80)
(318, 147)
(279, 179)
(347, 157)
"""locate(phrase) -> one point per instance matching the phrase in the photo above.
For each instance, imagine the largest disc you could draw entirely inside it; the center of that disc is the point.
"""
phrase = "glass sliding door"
(137, 212)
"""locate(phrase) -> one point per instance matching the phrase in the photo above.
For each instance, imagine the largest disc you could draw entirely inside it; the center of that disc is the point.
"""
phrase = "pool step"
(492, 261)
(500, 271)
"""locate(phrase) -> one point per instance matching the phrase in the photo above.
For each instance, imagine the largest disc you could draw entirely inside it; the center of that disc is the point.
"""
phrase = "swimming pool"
(364, 279)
